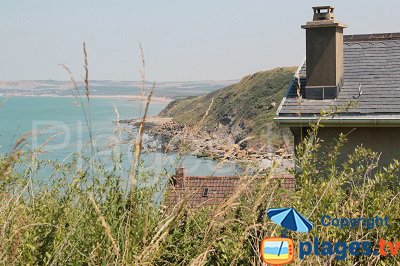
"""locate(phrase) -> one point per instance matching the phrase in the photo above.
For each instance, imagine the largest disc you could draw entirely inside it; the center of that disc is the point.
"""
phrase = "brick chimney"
(324, 54)
(178, 180)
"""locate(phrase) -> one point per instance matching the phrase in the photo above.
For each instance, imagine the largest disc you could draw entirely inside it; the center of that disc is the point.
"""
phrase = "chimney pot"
(323, 13)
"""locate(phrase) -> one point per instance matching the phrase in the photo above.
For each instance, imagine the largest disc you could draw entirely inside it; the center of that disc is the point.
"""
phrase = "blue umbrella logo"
(290, 219)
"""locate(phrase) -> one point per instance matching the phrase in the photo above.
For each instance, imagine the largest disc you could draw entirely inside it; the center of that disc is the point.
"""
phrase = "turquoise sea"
(58, 125)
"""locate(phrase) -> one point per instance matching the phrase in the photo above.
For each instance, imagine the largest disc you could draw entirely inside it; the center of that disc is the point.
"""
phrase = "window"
(205, 192)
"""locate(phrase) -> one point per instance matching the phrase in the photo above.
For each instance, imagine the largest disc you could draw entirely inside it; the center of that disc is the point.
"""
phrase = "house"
(361, 69)
(208, 191)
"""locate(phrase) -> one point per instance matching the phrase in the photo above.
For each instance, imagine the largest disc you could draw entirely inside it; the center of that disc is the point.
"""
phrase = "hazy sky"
(183, 39)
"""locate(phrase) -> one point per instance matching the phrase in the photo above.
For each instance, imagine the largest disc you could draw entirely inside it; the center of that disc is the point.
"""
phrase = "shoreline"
(217, 146)
(133, 98)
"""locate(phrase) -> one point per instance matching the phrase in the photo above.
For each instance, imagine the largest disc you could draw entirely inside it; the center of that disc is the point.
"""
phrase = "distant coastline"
(135, 98)
(131, 90)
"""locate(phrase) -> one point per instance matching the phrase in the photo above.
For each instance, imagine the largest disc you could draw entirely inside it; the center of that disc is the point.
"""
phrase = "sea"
(58, 127)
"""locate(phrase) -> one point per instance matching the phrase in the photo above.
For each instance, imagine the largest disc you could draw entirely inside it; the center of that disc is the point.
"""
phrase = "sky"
(183, 40)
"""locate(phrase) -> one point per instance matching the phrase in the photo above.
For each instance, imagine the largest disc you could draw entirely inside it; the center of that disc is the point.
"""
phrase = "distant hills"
(172, 90)
(243, 109)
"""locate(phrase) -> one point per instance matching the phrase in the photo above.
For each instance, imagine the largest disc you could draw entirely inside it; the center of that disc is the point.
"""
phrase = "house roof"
(206, 191)
(203, 190)
(372, 60)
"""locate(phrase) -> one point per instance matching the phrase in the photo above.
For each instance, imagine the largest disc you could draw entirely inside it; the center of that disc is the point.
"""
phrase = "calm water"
(60, 124)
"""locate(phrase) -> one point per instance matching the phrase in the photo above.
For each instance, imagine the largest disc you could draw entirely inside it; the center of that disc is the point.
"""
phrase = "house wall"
(380, 139)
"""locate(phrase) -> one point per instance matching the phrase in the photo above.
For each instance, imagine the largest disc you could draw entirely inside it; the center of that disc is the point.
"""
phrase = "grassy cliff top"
(245, 109)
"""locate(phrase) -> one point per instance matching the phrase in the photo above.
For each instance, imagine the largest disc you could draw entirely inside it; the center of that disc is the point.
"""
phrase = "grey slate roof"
(372, 60)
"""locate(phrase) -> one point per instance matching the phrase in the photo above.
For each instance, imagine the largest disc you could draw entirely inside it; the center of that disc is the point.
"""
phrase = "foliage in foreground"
(87, 215)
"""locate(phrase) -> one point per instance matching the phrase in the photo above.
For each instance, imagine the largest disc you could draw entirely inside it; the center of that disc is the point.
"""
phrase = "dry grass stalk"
(117, 129)
(74, 90)
(142, 71)
(86, 81)
(105, 225)
(139, 139)
(86, 67)
(76, 93)
(138, 144)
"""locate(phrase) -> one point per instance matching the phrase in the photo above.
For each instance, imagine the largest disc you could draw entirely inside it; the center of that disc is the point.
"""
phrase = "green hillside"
(243, 109)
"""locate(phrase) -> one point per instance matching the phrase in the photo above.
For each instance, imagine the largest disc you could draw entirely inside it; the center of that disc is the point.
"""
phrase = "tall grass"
(68, 223)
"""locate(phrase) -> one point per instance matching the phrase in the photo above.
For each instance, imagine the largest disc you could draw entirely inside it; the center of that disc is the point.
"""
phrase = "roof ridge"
(209, 177)
(372, 37)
